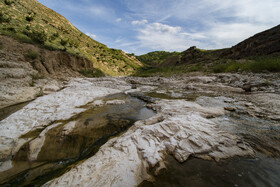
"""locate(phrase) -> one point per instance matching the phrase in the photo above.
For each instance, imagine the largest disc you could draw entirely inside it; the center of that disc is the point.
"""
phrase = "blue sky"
(141, 26)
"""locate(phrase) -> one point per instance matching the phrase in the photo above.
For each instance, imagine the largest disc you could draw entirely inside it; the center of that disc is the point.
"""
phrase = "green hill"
(31, 22)
(156, 58)
(259, 53)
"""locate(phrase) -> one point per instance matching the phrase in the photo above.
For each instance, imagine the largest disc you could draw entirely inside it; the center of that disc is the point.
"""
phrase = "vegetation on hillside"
(255, 64)
(31, 22)
(259, 53)
(209, 61)
(156, 57)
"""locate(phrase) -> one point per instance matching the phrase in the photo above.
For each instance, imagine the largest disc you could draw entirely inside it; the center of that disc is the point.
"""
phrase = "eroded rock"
(179, 129)
(42, 112)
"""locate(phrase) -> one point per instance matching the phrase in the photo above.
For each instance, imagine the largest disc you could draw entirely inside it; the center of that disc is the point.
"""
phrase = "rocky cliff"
(55, 64)
(27, 71)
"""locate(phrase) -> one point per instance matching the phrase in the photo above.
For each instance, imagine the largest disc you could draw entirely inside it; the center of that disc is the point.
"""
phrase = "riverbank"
(195, 116)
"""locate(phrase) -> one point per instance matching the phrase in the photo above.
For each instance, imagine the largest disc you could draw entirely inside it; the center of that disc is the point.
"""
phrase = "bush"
(51, 47)
(18, 36)
(38, 36)
(31, 55)
(28, 27)
(9, 2)
(2, 18)
(54, 36)
(195, 68)
(220, 68)
(11, 29)
(1, 45)
(92, 73)
(63, 42)
(255, 64)
(29, 18)
(73, 43)
(264, 63)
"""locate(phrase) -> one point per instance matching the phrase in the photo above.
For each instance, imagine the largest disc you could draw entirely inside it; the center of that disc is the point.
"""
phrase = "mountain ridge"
(261, 50)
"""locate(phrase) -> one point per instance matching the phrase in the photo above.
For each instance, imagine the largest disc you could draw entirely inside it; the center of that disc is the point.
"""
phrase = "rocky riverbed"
(121, 131)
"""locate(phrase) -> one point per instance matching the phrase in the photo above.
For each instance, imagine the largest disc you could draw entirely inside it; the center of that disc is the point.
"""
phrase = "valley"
(74, 112)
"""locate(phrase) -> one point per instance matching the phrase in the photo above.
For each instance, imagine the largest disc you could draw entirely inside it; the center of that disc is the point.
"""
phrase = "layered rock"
(180, 129)
(27, 71)
(45, 110)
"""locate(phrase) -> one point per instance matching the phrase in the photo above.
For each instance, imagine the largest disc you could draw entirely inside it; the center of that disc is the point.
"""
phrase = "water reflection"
(261, 171)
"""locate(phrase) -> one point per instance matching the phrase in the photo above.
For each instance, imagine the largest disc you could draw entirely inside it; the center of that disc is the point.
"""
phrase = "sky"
(142, 26)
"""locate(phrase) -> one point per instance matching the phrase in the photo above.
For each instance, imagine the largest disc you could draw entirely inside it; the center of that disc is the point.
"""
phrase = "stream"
(60, 153)
(262, 134)
(63, 149)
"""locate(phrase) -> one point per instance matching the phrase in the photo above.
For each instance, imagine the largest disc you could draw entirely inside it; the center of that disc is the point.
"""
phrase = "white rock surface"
(178, 129)
(36, 144)
(115, 102)
(51, 87)
(47, 109)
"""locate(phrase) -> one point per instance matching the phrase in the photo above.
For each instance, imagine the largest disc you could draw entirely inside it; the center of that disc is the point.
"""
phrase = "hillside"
(31, 22)
(156, 58)
(258, 53)
(264, 43)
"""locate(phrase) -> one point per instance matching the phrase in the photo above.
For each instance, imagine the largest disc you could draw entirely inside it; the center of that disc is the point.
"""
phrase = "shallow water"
(5, 112)
(60, 153)
(262, 134)
(96, 125)
(261, 171)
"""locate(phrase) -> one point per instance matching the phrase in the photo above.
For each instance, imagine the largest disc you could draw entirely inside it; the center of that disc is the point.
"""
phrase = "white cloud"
(118, 40)
(118, 20)
(98, 10)
(93, 36)
(257, 11)
(139, 22)
(225, 35)
(172, 24)
(158, 36)
(204, 23)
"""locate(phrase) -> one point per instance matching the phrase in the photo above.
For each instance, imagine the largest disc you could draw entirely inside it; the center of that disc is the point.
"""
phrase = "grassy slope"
(30, 21)
(259, 53)
(208, 61)
(156, 58)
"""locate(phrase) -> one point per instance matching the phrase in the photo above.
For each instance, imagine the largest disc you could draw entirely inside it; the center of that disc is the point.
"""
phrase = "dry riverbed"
(123, 131)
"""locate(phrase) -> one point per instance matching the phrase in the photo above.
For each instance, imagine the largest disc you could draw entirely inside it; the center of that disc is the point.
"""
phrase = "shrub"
(18, 36)
(51, 47)
(28, 27)
(9, 2)
(54, 36)
(220, 68)
(2, 18)
(29, 18)
(92, 73)
(63, 42)
(1, 45)
(11, 29)
(255, 64)
(31, 55)
(73, 43)
(264, 63)
(38, 36)
(195, 68)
